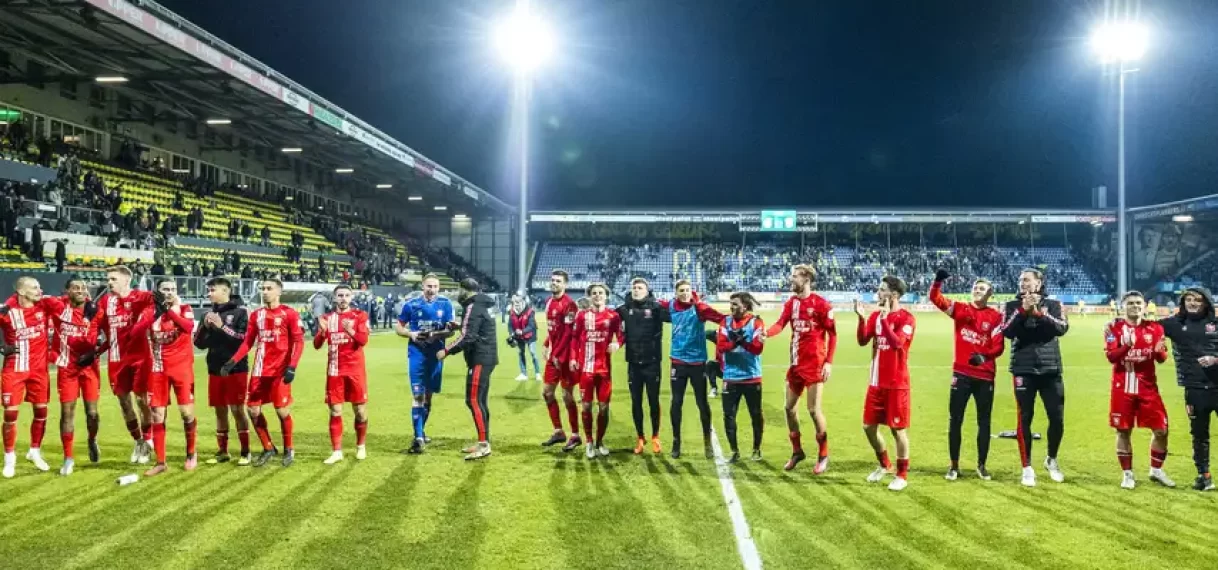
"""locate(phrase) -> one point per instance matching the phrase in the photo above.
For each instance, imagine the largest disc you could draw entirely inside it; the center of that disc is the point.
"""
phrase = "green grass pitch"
(526, 507)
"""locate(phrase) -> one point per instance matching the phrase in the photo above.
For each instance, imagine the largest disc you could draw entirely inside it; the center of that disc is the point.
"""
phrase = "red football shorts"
(561, 375)
(180, 379)
(344, 389)
(15, 389)
(598, 385)
(126, 378)
(269, 390)
(227, 390)
(1125, 411)
(887, 406)
(799, 378)
(73, 382)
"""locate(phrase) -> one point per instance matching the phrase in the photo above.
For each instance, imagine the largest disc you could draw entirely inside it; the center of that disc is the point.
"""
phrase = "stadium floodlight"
(441, 208)
(1182, 218)
(384, 186)
(460, 217)
(219, 121)
(344, 170)
(111, 79)
(291, 149)
(524, 40)
(415, 198)
(1121, 43)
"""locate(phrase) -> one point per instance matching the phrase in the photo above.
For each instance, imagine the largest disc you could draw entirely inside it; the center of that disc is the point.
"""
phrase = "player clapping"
(890, 330)
(275, 330)
(346, 330)
(813, 342)
(740, 341)
(597, 335)
(172, 367)
(978, 344)
(76, 370)
(221, 335)
(1134, 345)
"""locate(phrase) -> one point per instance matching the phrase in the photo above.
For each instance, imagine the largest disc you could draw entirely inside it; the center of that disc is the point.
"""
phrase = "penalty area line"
(740, 526)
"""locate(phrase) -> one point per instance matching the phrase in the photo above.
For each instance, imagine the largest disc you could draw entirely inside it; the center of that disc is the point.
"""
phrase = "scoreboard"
(778, 221)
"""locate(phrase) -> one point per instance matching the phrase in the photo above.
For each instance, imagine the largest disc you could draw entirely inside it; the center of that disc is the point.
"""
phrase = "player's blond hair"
(120, 269)
(805, 270)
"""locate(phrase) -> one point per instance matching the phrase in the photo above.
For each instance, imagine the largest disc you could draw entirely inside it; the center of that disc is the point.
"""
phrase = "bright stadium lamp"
(1121, 43)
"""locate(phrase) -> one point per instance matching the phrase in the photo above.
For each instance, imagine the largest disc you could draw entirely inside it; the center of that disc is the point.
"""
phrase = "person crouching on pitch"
(740, 340)
(477, 340)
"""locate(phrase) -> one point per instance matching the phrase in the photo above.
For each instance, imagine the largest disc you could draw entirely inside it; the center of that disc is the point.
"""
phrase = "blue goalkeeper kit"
(426, 370)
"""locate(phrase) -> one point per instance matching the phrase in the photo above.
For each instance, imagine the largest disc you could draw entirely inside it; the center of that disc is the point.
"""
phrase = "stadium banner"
(300, 103)
(1168, 210)
(324, 115)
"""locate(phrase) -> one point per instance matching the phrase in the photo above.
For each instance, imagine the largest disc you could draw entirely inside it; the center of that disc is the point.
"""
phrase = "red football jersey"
(813, 332)
(594, 331)
(26, 329)
(73, 335)
(115, 317)
(891, 339)
(560, 323)
(976, 331)
(172, 338)
(278, 337)
(346, 354)
(1133, 351)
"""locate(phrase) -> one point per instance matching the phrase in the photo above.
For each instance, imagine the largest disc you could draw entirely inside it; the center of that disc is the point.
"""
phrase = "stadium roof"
(196, 76)
(848, 215)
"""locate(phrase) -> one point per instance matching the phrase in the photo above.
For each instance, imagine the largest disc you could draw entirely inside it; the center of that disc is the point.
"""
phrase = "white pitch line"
(740, 526)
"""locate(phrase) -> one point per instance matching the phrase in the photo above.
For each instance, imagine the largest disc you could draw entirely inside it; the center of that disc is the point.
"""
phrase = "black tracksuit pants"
(732, 394)
(1200, 403)
(982, 391)
(477, 388)
(1052, 392)
(645, 378)
(685, 375)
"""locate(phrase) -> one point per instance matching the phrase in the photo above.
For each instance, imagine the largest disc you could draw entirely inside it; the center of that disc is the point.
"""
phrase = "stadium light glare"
(344, 170)
(415, 198)
(384, 186)
(111, 79)
(219, 121)
(1182, 218)
(1120, 41)
(291, 149)
(441, 208)
(460, 217)
(524, 40)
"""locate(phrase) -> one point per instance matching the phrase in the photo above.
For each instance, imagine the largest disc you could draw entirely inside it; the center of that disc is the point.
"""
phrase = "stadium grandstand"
(128, 134)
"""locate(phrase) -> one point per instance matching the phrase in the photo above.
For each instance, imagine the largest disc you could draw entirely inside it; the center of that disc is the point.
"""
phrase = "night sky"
(709, 104)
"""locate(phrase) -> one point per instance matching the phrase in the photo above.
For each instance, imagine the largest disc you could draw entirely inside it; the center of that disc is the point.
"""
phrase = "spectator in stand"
(61, 254)
(246, 232)
(234, 229)
(266, 236)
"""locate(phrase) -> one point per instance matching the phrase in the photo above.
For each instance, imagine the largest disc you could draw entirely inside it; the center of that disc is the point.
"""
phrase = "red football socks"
(1126, 461)
(10, 430)
(361, 431)
(1157, 457)
(822, 442)
(38, 428)
(243, 435)
(286, 424)
(336, 433)
(158, 441)
(588, 425)
(68, 443)
(192, 435)
(573, 418)
(797, 446)
(552, 407)
(883, 457)
(264, 435)
(902, 468)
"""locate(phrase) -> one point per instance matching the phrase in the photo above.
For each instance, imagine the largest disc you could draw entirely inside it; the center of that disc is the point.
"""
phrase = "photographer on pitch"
(1194, 348)
(1034, 322)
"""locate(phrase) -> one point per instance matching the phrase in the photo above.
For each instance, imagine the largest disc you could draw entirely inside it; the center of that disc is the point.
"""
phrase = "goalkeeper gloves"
(941, 275)
(86, 358)
(977, 359)
(289, 375)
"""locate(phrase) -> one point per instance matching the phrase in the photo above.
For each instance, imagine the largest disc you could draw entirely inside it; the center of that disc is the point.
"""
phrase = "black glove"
(227, 369)
(289, 375)
(453, 326)
(511, 341)
(736, 336)
(8, 350)
(712, 336)
(713, 369)
(86, 359)
(941, 275)
(90, 310)
(4, 309)
(977, 359)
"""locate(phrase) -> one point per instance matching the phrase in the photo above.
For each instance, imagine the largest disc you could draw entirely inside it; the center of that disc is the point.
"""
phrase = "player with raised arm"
(426, 321)
(24, 378)
(172, 369)
(1134, 345)
(127, 355)
(477, 340)
(560, 321)
(221, 333)
(813, 342)
(890, 331)
(77, 374)
(688, 355)
(597, 335)
(978, 344)
(740, 341)
(1034, 322)
(275, 331)
(346, 330)
(643, 319)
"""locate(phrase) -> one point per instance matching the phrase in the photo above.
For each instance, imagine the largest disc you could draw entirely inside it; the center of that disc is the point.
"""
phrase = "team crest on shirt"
(440, 314)
(811, 311)
(985, 327)
(646, 313)
(38, 315)
(228, 319)
(1019, 381)
(1211, 328)
(278, 321)
(1147, 337)
(127, 305)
